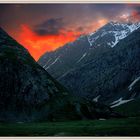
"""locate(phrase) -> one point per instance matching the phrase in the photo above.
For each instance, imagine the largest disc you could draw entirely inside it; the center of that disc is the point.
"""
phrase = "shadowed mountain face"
(24, 85)
(29, 93)
(112, 76)
(101, 66)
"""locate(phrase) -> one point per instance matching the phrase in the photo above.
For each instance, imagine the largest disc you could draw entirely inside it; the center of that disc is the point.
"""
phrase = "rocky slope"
(100, 66)
(29, 93)
(111, 77)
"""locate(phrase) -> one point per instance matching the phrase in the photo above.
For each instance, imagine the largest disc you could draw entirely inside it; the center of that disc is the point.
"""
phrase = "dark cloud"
(78, 19)
(51, 26)
(83, 29)
(84, 16)
(80, 29)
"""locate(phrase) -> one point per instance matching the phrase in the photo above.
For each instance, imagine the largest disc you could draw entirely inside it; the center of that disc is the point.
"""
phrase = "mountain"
(111, 34)
(113, 77)
(24, 86)
(100, 66)
(77, 53)
(28, 93)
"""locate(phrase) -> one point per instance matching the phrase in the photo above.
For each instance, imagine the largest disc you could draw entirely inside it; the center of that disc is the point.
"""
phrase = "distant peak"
(112, 22)
(122, 22)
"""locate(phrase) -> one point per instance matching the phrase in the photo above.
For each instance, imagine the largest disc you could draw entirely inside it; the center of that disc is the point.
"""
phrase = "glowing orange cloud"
(38, 45)
(102, 22)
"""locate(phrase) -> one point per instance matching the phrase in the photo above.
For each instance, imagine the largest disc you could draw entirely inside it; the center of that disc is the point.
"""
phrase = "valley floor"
(112, 127)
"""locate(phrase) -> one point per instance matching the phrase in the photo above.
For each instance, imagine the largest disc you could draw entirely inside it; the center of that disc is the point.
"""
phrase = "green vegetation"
(112, 127)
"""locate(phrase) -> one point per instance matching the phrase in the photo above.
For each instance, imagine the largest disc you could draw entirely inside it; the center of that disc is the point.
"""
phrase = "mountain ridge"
(60, 61)
(29, 93)
(84, 56)
(119, 74)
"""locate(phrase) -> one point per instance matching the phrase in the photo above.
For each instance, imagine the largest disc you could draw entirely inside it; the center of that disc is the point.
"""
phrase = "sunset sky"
(45, 27)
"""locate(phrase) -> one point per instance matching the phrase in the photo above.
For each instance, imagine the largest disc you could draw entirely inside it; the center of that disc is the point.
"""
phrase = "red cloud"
(38, 45)
(135, 15)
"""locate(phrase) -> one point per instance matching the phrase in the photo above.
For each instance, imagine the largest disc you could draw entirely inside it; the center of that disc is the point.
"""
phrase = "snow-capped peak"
(111, 33)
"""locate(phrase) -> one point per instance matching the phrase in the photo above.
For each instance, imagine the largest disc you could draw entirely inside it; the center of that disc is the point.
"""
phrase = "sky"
(45, 27)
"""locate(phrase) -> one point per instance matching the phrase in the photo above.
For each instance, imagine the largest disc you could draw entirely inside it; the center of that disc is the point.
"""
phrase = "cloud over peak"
(51, 26)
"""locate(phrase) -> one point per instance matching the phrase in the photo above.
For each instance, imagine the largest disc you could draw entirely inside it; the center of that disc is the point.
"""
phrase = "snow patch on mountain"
(53, 62)
(92, 40)
(104, 33)
(82, 57)
(119, 102)
(134, 27)
(89, 41)
(117, 30)
(92, 33)
(96, 98)
(64, 74)
(118, 36)
(133, 83)
(46, 63)
(109, 44)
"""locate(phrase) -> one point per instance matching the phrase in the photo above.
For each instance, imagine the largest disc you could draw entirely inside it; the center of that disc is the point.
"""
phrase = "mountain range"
(28, 93)
(102, 66)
